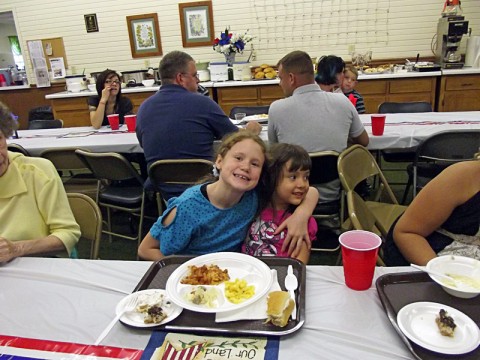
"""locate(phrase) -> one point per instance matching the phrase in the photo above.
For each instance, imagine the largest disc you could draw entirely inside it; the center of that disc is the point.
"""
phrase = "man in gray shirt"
(311, 117)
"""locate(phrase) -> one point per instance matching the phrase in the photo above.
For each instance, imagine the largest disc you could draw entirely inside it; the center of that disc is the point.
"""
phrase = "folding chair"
(439, 151)
(356, 164)
(18, 148)
(324, 170)
(110, 168)
(399, 155)
(363, 219)
(75, 174)
(177, 171)
(45, 124)
(89, 218)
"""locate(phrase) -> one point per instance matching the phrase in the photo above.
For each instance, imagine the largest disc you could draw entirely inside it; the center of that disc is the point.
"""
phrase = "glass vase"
(230, 58)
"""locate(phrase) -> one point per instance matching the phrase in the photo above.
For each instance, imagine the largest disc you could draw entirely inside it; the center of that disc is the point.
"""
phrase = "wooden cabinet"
(74, 110)
(228, 97)
(459, 93)
(21, 101)
(378, 91)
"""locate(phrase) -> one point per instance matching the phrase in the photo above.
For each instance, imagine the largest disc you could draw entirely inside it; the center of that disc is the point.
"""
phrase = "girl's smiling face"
(241, 167)
(292, 187)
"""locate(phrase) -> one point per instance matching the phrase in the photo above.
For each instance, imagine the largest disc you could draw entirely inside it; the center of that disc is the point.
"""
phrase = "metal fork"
(129, 306)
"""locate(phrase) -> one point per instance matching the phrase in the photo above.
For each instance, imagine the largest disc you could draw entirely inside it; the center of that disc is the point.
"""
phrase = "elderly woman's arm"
(51, 227)
(430, 209)
(47, 245)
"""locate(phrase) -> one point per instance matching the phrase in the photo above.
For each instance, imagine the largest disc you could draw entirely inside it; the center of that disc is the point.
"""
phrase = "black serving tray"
(399, 289)
(190, 321)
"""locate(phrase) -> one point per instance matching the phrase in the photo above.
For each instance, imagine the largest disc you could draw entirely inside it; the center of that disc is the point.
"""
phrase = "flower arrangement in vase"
(229, 44)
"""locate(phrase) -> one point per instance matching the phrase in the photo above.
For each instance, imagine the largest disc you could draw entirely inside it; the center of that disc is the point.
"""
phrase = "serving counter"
(446, 90)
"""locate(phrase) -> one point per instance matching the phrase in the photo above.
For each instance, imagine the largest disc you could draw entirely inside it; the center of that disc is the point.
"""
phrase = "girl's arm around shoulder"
(297, 224)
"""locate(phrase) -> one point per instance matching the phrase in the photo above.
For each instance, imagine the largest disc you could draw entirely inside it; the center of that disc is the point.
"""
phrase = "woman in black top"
(109, 99)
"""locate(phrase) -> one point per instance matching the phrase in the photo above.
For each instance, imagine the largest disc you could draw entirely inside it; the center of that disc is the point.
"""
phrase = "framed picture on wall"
(144, 35)
(196, 20)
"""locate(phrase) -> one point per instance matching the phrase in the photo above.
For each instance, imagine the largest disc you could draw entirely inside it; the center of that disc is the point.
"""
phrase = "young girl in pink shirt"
(289, 171)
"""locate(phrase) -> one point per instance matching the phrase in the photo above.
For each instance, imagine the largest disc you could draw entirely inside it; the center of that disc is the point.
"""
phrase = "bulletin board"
(53, 48)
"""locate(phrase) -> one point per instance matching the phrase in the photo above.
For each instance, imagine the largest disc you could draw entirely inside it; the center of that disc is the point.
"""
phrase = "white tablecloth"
(340, 323)
(402, 131)
(407, 130)
(86, 137)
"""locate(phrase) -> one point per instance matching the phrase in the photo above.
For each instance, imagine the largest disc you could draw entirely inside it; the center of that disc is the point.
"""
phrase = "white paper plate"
(417, 322)
(239, 266)
(136, 319)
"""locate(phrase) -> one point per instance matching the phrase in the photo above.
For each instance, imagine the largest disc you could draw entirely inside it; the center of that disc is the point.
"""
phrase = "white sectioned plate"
(417, 322)
(134, 318)
(239, 266)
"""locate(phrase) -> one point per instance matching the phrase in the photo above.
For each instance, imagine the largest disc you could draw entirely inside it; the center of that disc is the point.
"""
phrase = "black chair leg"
(407, 189)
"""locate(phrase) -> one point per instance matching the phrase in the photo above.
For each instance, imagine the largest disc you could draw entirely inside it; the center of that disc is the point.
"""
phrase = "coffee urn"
(450, 29)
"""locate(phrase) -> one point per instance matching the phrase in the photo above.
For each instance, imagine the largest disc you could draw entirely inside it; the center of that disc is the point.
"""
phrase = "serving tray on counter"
(189, 321)
(399, 289)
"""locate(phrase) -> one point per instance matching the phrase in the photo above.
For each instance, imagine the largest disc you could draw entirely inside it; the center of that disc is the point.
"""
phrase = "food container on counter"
(76, 83)
(218, 71)
(135, 76)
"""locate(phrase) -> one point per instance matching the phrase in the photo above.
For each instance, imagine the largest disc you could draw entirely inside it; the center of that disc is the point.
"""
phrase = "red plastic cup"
(131, 121)
(378, 124)
(359, 253)
(114, 121)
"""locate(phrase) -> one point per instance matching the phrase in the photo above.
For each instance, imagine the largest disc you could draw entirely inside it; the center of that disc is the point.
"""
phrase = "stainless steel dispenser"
(450, 30)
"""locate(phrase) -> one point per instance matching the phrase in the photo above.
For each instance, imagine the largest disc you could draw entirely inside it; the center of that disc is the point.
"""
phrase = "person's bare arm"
(46, 245)
(429, 210)
(297, 224)
(304, 253)
(149, 248)
(362, 139)
(97, 115)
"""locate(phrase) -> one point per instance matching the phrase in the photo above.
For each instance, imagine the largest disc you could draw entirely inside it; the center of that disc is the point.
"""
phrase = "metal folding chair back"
(404, 107)
(18, 148)
(45, 124)
(329, 215)
(400, 155)
(89, 218)
(362, 218)
(177, 171)
(76, 176)
(109, 169)
(356, 164)
(441, 150)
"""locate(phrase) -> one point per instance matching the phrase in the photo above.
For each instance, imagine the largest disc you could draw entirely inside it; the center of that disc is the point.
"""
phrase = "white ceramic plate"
(239, 266)
(417, 322)
(136, 319)
(259, 117)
